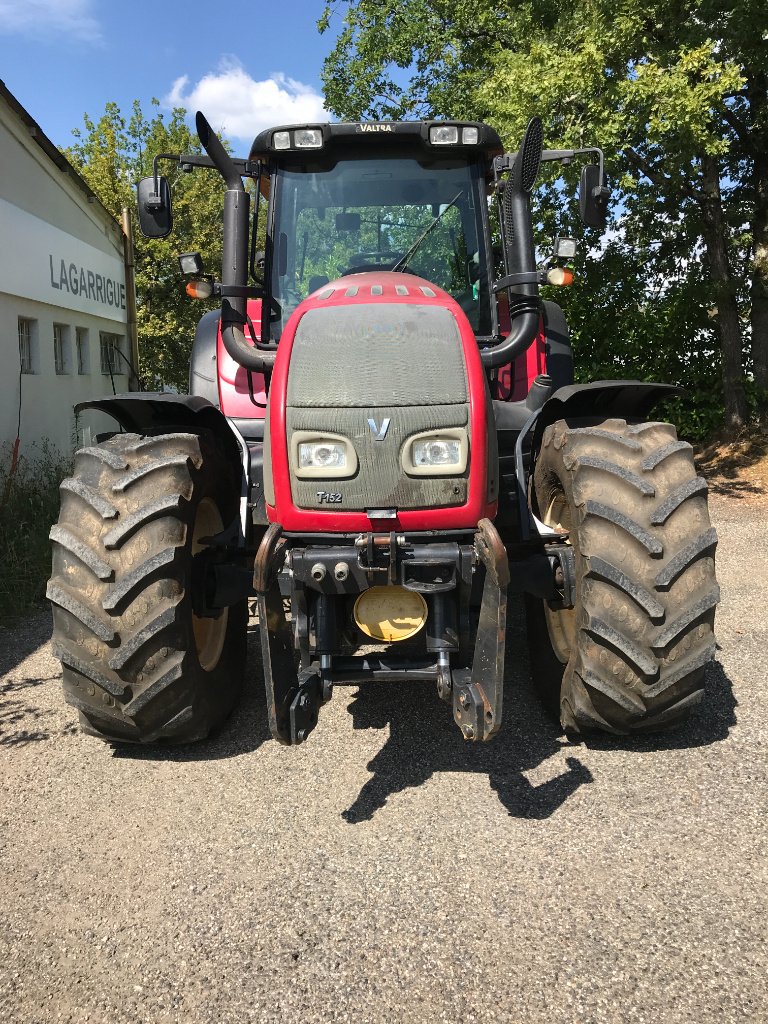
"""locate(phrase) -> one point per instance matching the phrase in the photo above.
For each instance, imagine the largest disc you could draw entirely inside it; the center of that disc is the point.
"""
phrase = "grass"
(29, 506)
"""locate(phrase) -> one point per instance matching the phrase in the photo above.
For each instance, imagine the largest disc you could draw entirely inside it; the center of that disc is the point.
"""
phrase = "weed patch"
(29, 506)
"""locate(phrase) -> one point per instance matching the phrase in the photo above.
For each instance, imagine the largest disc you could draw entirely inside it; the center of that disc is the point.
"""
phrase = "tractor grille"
(397, 361)
(376, 356)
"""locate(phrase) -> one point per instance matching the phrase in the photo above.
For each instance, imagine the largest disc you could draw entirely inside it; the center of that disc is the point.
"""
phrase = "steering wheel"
(362, 262)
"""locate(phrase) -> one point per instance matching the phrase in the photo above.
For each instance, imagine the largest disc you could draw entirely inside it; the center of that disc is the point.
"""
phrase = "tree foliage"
(676, 94)
(113, 153)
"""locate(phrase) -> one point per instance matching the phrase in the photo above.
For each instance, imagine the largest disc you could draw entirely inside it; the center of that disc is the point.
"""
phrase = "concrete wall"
(61, 262)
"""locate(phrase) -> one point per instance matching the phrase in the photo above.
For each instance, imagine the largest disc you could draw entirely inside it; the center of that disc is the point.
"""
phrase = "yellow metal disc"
(390, 613)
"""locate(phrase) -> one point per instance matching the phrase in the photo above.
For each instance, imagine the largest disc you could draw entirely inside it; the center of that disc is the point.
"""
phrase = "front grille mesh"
(377, 355)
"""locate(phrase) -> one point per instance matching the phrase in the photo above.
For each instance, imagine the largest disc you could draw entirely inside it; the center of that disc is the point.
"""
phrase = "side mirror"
(155, 213)
(593, 197)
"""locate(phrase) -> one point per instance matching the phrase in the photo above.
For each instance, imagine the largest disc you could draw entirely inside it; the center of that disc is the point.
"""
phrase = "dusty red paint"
(233, 379)
(335, 521)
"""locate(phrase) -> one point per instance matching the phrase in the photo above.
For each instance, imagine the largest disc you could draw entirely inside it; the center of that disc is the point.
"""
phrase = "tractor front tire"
(137, 663)
(630, 654)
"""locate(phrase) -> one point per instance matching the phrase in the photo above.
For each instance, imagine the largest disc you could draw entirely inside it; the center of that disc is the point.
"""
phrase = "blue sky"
(256, 67)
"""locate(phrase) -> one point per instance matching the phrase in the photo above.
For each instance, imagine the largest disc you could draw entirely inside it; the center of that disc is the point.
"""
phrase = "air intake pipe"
(519, 252)
(234, 264)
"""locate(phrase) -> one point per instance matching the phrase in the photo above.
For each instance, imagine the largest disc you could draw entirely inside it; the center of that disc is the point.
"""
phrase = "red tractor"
(381, 440)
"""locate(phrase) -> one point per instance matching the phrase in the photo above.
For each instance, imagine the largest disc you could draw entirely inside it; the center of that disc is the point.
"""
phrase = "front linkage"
(319, 579)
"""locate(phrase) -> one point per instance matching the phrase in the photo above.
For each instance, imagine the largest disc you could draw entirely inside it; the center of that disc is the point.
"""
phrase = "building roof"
(53, 153)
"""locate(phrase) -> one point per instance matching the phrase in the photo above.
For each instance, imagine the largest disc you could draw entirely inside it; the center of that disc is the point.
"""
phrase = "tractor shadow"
(709, 723)
(423, 739)
(19, 641)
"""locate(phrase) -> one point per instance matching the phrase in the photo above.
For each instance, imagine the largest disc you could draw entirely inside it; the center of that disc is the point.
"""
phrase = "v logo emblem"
(379, 433)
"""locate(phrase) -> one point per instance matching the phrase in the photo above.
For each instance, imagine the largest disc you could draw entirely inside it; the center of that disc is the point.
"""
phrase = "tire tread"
(120, 588)
(646, 591)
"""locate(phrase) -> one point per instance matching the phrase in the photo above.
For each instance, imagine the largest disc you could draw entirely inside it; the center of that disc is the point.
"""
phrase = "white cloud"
(45, 18)
(240, 107)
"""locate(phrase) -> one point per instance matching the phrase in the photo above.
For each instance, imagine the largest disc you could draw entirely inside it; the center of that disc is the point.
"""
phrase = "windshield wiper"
(403, 261)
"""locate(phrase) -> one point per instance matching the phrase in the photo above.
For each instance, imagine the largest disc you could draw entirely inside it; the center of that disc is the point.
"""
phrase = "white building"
(65, 334)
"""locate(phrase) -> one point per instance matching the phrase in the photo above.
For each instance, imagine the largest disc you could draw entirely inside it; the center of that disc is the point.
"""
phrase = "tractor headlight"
(436, 453)
(443, 134)
(322, 456)
(308, 138)
(298, 138)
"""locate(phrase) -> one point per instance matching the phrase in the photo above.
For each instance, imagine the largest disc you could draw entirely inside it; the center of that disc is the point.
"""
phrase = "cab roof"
(360, 137)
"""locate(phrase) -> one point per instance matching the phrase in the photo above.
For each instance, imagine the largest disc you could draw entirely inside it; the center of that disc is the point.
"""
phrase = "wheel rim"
(209, 633)
(561, 622)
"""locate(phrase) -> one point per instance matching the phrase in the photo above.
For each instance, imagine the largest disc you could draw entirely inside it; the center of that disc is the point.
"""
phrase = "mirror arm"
(566, 155)
(189, 161)
(154, 202)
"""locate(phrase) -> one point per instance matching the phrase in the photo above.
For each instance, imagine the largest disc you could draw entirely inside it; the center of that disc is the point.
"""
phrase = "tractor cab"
(407, 198)
(401, 201)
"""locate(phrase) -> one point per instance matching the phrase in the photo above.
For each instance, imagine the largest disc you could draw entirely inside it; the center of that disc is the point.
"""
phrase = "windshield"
(415, 216)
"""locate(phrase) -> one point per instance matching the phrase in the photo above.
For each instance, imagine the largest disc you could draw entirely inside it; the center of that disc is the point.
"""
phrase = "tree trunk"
(759, 310)
(757, 92)
(727, 319)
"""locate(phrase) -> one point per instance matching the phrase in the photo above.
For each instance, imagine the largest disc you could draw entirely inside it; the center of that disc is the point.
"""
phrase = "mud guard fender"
(600, 398)
(148, 412)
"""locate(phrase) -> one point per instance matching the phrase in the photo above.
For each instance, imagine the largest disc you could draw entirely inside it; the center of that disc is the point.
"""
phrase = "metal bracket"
(564, 574)
(306, 704)
(444, 680)
(522, 483)
(478, 692)
(471, 709)
(277, 648)
(265, 558)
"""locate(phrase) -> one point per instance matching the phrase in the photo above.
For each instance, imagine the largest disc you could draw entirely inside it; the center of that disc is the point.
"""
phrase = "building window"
(111, 349)
(61, 353)
(82, 342)
(28, 345)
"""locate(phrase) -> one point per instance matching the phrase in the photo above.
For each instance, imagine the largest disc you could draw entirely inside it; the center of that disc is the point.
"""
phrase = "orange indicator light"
(560, 276)
(199, 289)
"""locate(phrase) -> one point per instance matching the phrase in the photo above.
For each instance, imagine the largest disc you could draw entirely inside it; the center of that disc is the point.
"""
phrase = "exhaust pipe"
(234, 264)
(519, 252)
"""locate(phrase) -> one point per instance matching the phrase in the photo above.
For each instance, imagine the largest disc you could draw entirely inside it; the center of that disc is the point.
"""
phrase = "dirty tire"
(631, 654)
(137, 664)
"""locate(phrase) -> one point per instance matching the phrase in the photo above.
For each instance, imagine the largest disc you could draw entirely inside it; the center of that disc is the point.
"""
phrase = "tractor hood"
(347, 369)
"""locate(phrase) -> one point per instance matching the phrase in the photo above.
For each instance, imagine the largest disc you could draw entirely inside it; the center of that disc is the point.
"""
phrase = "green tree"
(112, 154)
(677, 97)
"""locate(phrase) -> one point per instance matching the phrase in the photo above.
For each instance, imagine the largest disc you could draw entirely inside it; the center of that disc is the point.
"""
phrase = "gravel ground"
(387, 871)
